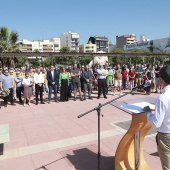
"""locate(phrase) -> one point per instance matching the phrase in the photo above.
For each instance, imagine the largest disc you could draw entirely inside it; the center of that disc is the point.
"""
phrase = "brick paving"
(51, 137)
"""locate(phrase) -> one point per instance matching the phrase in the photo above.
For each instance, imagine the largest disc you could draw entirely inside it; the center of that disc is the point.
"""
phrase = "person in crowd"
(147, 82)
(58, 73)
(113, 68)
(22, 72)
(70, 88)
(117, 80)
(157, 80)
(124, 77)
(13, 74)
(53, 79)
(131, 77)
(75, 76)
(87, 81)
(101, 79)
(45, 85)
(94, 79)
(27, 85)
(161, 118)
(95, 72)
(109, 78)
(6, 82)
(81, 78)
(31, 75)
(26, 69)
(39, 81)
(152, 78)
(19, 87)
(138, 75)
(63, 83)
(143, 67)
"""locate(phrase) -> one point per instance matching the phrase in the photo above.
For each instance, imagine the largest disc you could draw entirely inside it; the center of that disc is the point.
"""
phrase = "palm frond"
(13, 38)
(4, 34)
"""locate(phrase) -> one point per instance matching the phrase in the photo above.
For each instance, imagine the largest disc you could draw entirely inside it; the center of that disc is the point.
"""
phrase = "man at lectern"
(161, 118)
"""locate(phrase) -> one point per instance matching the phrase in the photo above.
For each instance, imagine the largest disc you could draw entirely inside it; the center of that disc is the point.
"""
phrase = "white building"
(71, 40)
(56, 42)
(139, 45)
(88, 48)
(52, 45)
(161, 45)
(153, 46)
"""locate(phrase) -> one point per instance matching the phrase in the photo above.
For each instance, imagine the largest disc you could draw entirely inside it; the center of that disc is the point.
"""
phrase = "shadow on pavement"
(86, 159)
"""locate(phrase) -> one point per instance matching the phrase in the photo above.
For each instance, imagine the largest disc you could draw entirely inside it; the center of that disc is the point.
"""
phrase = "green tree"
(47, 62)
(21, 61)
(85, 60)
(116, 59)
(34, 63)
(66, 60)
(141, 59)
(8, 43)
(65, 49)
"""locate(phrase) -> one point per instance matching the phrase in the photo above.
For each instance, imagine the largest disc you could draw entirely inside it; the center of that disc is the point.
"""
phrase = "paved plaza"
(51, 137)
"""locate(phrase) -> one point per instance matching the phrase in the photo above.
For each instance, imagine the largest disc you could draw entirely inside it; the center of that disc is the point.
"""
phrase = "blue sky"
(40, 19)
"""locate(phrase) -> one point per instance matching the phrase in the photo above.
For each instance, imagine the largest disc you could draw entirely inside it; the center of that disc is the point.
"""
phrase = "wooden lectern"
(129, 153)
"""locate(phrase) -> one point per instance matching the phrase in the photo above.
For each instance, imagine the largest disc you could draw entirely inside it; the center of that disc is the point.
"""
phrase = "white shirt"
(101, 71)
(26, 81)
(52, 73)
(161, 118)
(38, 78)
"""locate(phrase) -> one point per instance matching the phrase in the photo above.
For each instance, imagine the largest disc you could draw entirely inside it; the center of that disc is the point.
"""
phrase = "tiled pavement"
(51, 137)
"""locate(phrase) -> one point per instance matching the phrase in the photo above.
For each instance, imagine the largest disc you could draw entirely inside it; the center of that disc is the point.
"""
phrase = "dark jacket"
(87, 74)
(50, 79)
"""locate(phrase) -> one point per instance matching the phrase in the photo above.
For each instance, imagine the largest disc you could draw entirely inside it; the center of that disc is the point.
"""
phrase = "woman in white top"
(27, 83)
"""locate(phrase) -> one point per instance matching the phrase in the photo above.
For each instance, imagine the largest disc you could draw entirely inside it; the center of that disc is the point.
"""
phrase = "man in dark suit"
(58, 72)
(52, 78)
(87, 81)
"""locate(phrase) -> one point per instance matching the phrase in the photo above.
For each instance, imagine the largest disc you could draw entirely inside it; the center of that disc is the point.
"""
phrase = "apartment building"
(125, 39)
(102, 43)
(88, 48)
(52, 45)
(71, 40)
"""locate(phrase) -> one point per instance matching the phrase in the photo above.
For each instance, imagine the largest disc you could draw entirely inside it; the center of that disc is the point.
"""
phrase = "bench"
(4, 136)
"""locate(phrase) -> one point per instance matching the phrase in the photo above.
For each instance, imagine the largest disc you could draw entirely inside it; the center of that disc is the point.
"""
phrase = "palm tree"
(8, 43)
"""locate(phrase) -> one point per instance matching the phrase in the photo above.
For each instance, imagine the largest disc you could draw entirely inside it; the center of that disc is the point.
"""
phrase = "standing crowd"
(25, 82)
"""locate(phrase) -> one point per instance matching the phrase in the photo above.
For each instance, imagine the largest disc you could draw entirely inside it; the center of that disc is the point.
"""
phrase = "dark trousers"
(38, 90)
(70, 88)
(87, 86)
(19, 90)
(124, 84)
(9, 97)
(102, 87)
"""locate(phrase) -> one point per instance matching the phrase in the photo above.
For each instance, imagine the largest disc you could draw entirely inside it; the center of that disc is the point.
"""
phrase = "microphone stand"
(98, 109)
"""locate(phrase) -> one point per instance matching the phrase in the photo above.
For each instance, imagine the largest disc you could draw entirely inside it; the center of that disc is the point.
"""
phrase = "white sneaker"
(24, 104)
(114, 94)
(120, 94)
(29, 104)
